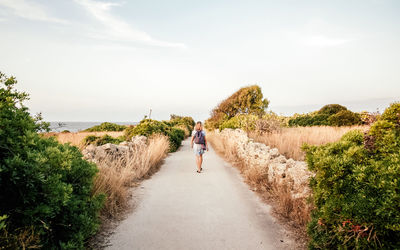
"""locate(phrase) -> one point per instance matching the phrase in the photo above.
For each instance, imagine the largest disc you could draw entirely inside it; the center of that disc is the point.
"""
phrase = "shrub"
(45, 186)
(331, 109)
(310, 120)
(392, 114)
(356, 188)
(148, 127)
(106, 126)
(368, 118)
(328, 115)
(183, 121)
(247, 100)
(245, 122)
(98, 141)
(344, 118)
(176, 136)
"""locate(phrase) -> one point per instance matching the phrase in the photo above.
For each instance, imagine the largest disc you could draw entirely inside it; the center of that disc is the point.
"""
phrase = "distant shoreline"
(78, 126)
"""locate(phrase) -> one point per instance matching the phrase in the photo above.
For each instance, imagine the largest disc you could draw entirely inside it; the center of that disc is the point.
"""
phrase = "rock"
(292, 173)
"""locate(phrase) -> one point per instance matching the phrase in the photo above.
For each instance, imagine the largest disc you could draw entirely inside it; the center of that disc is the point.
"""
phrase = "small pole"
(150, 114)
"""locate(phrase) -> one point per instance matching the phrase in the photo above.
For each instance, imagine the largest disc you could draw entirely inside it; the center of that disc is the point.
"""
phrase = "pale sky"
(92, 60)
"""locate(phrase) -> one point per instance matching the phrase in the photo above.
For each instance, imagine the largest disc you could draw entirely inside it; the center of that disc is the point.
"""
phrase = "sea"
(79, 126)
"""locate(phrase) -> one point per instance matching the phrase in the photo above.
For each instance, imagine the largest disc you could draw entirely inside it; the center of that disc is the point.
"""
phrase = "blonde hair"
(198, 126)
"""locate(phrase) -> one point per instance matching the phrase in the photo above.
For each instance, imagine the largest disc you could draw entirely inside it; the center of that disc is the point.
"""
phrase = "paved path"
(181, 209)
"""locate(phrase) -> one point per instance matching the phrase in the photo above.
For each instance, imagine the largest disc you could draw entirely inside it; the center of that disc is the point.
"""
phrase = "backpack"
(199, 138)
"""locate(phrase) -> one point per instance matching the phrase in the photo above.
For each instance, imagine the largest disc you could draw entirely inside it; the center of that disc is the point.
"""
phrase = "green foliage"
(368, 118)
(266, 124)
(245, 122)
(183, 122)
(356, 188)
(331, 109)
(106, 126)
(328, 115)
(310, 120)
(148, 127)
(247, 100)
(176, 136)
(344, 118)
(98, 141)
(392, 114)
(46, 187)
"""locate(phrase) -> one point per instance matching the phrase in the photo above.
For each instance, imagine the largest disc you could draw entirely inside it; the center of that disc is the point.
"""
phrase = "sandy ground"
(180, 209)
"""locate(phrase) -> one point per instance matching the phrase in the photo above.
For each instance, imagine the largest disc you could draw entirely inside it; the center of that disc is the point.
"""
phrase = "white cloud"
(29, 10)
(117, 29)
(318, 33)
(323, 41)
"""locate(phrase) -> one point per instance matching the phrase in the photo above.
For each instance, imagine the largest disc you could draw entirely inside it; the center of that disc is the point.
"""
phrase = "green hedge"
(245, 122)
(46, 187)
(356, 189)
(101, 140)
(106, 126)
(186, 121)
(148, 127)
(328, 115)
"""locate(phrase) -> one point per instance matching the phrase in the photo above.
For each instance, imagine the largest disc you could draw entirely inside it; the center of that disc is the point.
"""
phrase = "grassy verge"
(289, 140)
(295, 211)
(76, 138)
(116, 177)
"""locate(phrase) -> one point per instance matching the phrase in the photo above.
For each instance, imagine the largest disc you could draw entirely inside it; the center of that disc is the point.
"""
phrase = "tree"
(247, 100)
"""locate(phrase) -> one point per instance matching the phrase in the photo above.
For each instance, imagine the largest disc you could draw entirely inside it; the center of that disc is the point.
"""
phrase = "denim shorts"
(198, 149)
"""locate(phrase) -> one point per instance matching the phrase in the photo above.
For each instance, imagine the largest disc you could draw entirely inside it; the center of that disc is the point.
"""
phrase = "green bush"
(148, 127)
(176, 136)
(310, 120)
(248, 101)
(328, 115)
(245, 122)
(106, 126)
(331, 109)
(392, 114)
(98, 141)
(185, 121)
(356, 188)
(46, 187)
(344, 118)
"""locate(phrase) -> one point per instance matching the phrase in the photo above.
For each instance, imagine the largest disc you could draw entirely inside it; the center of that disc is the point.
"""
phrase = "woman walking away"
(199, 144)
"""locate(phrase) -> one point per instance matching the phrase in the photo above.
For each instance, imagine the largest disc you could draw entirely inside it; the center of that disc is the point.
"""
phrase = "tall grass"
(116, 177)
(295, 209)
(76, 138)
(289, 140)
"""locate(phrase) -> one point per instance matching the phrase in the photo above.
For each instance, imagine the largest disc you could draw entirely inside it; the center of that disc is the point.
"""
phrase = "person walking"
(199, 144)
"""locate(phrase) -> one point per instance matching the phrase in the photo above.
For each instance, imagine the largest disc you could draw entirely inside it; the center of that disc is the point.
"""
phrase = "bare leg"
(200, 161)
(197, 161)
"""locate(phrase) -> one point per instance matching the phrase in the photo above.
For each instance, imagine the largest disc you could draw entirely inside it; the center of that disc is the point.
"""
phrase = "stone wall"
(109, 153)
(280, 170)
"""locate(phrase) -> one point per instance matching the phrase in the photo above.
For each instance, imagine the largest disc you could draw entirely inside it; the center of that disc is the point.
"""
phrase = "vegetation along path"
(181, 209)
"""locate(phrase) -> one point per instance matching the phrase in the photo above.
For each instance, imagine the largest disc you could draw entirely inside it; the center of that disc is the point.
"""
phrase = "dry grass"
(116, 177)
(289, 140)
(297, 211)
(77, 137)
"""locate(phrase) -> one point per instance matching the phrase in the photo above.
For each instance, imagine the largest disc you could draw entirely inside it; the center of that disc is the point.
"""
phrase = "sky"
(92, 60)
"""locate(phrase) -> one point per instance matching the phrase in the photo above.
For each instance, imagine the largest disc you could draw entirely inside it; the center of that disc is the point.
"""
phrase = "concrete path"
(181, 209)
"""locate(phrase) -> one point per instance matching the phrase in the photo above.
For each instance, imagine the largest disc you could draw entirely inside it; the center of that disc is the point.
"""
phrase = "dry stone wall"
(280, 170)
(109, 153)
